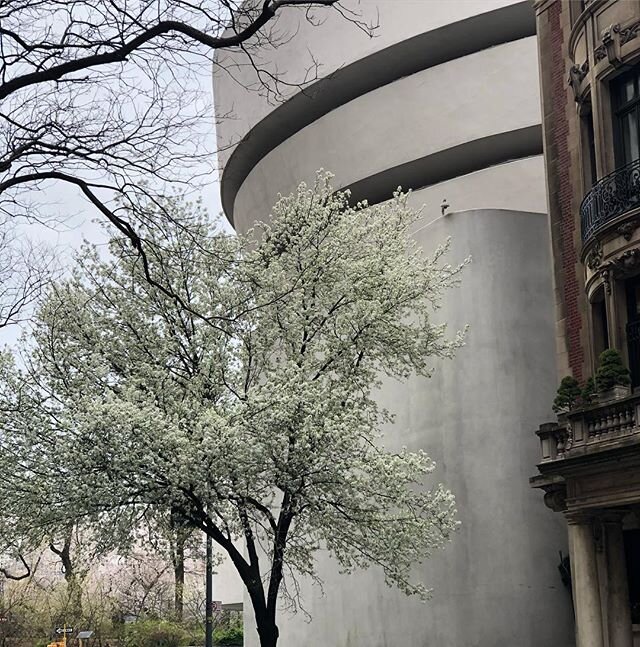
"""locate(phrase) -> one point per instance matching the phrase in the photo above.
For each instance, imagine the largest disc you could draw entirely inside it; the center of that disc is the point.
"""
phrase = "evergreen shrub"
(589, 391)
(611, 371)
(567, 396)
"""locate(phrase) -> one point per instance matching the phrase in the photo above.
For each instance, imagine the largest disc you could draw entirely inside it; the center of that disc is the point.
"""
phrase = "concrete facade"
(444, 101)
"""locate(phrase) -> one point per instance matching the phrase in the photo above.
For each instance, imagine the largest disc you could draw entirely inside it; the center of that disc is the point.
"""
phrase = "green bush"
(155, 633)
(567, 396)
(229, 630)
(611, 371)
(228, 636)
(589, 391)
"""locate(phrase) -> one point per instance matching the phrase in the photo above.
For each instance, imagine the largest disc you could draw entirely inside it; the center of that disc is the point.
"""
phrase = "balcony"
(611, 425)
(609, 199)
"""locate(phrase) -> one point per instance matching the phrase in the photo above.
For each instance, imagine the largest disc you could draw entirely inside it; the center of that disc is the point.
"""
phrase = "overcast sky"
(79, 220)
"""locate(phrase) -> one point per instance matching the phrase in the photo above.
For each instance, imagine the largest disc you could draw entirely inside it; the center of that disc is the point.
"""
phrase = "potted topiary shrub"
(567, 395)
(612, 377)
(589, 392)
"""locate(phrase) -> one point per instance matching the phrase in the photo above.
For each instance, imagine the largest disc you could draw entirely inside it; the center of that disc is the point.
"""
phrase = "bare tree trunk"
(179, 535)
(178, 573)
(269, 636)
(265, 614)
(74, 590)
(267, 630)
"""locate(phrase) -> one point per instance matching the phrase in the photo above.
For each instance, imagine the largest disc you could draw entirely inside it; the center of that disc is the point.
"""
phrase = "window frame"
(620, 109)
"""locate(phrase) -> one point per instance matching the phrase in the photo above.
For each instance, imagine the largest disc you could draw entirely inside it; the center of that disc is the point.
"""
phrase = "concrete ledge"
(408, 57)
(450, 163)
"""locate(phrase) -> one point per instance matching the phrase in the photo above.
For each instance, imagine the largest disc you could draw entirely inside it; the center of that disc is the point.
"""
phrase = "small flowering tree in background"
(242, 400)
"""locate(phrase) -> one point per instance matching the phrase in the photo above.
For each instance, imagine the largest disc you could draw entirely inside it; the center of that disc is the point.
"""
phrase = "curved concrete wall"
(445, 101)
(292, 63)
(412, 37)
(410, 119)
(496, 584)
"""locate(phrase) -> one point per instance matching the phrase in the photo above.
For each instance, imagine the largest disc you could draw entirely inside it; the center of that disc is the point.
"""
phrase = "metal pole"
(209, 595)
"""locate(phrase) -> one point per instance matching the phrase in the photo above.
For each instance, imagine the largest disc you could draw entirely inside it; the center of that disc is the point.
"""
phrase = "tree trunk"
(75, 596)
(268, 633)
(74, 590)
(179, 536)
(178, 574)
(265, 622)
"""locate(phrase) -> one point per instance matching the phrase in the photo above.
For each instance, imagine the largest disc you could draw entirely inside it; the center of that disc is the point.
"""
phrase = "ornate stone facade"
(590, 467)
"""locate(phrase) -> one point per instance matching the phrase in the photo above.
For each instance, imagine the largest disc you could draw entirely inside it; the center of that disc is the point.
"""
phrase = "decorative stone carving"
(629, 32)
(611, 42)
(605, 273)
(594, 257)
(555, 497)
(626, 230)
(576, 76)
(568, 442)
(627, 262)
(561, 443)
(613, 38)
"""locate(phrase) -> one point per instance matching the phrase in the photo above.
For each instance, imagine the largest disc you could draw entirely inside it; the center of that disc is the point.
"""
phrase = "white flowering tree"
(243, 404)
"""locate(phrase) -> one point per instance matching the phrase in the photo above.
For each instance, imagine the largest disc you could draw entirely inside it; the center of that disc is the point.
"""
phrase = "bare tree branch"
(25, 270)
(20, 576)
(108, 96)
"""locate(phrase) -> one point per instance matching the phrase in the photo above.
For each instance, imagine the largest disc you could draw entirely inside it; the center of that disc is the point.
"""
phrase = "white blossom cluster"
(240, 398)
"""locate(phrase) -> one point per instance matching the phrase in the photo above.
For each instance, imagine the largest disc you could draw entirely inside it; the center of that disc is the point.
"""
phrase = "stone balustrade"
(595, 428)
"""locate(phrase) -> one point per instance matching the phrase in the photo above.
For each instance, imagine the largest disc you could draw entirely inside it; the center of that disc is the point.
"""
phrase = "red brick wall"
(561, 162)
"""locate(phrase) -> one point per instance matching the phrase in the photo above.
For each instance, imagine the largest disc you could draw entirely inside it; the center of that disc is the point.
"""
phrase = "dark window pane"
(632, 554)
(629, 89)
(626, 95)
(592, 155)
(630, 142)
(600, 325)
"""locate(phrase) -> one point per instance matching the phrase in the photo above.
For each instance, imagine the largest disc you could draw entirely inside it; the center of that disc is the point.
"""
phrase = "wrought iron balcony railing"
(610, 197)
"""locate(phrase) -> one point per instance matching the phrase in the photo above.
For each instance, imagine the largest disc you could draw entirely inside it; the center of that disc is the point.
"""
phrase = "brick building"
(589, 56)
